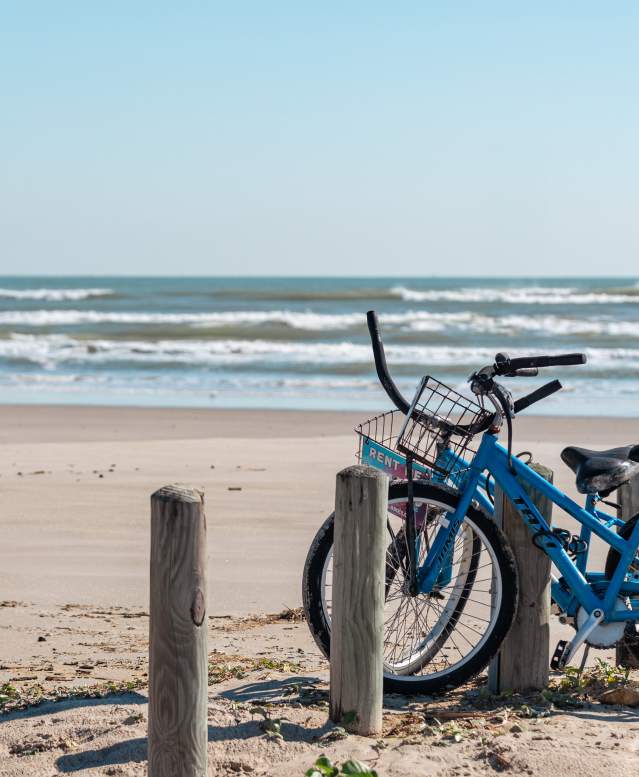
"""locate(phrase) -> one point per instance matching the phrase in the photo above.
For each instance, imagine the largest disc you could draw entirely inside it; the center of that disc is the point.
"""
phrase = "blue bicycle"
(451, 580)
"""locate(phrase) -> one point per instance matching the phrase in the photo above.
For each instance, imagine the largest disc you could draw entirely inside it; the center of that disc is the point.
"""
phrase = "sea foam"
(54, 295)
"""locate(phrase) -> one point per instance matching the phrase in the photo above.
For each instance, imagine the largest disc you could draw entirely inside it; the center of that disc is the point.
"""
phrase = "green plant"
(591, 680)
(452, 732)
(324, 767)
(272, 727)
(7, 692)
(609, 674)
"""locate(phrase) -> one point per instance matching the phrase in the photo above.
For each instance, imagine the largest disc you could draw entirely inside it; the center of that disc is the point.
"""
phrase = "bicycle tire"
(480, 522)
(613, 557)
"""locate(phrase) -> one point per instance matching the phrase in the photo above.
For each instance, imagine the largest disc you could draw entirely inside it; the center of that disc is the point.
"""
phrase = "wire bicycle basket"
(377, 444)
(439, 419)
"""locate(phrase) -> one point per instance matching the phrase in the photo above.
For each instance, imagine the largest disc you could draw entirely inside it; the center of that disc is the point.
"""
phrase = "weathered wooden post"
(523, 661)
(627, 652)
(178, 659)
(357, 629)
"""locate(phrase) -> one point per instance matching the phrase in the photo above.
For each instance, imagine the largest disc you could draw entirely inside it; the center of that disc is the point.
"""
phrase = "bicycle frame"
(577, 587)
(394, 465)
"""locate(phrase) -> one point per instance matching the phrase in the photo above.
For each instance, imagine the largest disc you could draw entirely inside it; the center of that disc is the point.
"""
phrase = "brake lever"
(505, 399)
(483, 385)
(498, 419)
(535, 396)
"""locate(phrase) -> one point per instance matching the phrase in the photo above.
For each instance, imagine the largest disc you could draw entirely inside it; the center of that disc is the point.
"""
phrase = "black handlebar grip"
(527, 372)
(561, 360)
(395, 395)
(541, 393)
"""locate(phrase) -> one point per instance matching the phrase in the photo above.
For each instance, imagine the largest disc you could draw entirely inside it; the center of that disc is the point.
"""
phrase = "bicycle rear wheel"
(631, 633)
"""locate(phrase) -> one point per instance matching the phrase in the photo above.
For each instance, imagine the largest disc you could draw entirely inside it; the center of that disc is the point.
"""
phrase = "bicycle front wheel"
(437, 640)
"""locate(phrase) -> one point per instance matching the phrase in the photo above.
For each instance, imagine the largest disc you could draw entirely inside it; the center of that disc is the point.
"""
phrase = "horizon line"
(23, 276)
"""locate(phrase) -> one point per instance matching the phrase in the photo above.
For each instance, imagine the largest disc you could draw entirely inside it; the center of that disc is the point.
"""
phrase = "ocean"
(303, 342)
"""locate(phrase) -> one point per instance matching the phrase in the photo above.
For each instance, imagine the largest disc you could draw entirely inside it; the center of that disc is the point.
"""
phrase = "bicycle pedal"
(555, 661)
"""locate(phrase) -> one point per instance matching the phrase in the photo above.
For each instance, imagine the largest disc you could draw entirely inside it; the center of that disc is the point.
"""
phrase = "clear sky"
(319, 138)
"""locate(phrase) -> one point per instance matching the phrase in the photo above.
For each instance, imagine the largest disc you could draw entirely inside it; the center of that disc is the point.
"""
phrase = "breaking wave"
(528, 295)
(416, 321)
(53, 350)
(54, 295)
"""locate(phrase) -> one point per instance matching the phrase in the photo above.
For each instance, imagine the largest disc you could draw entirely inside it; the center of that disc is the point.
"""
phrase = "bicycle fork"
(411, 534)
(414, 540)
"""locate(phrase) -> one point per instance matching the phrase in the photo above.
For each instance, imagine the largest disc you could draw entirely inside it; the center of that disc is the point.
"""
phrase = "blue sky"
(341, 138)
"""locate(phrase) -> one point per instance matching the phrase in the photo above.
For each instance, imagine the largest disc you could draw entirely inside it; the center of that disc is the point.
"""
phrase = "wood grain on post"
(524, 659)
(178, 659)
(357, 628)
(627, 650)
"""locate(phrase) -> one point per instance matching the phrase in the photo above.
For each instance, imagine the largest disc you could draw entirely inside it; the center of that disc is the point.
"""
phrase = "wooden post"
(523, 661)
(627, 651)
(357, 630)
(178, 659)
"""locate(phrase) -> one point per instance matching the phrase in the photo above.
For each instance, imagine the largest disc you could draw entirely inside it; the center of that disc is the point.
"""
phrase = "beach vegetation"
(272, 727)
(14, 699)
(226, 666)
(324, 767)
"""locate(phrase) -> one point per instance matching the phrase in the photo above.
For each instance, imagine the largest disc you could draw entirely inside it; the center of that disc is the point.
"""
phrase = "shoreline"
(77, 423)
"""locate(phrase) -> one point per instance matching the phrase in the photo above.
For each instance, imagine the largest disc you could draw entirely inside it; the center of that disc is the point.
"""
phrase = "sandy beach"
(74, 520)
(76, 482)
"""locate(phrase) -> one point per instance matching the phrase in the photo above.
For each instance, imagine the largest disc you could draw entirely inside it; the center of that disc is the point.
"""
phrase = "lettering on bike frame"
(590, 590)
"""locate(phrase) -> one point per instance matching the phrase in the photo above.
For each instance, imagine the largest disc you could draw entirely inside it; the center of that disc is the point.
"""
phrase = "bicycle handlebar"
(520, 367)
(395, 395)
(506, 366)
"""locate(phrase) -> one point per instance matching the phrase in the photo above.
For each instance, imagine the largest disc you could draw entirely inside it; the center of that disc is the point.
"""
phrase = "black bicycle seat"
(599, 471)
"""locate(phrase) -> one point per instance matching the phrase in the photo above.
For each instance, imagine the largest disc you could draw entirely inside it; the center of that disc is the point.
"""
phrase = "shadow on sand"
(135, 750)
(271, 691)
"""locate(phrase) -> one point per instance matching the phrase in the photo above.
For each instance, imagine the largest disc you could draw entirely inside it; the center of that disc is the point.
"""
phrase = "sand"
(74, 496)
